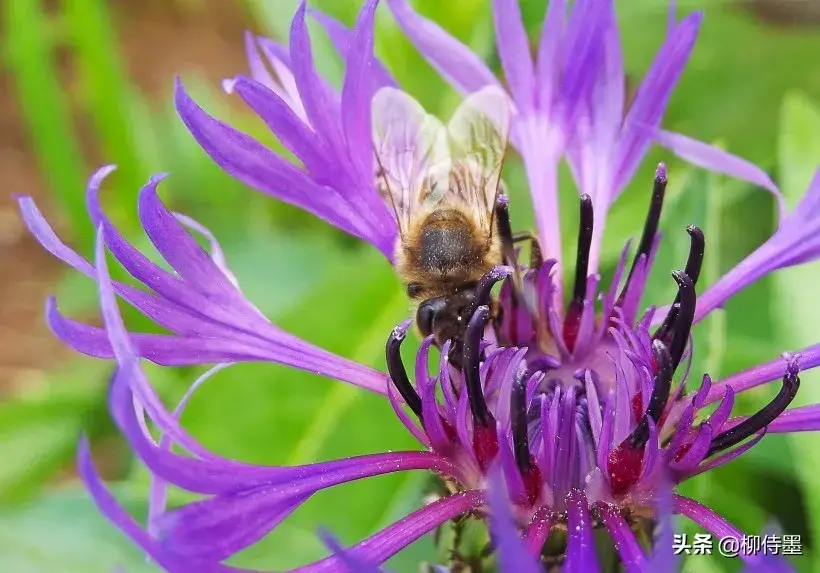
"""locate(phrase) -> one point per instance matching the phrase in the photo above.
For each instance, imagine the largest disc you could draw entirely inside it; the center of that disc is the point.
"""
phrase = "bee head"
(445, 316)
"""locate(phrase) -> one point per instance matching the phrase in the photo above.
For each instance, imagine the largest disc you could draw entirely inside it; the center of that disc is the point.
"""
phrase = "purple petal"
(632, 556)
(715, 159)
(548, 64)
(726, 457)
(183, 252)
(452, 59)
(582, 52)
(514, 50)
(217, 254)
(709, 520)
(320, 103)
(170, 350)
(165, 313)
(653, 95)
(538, 530)
(283, 85)
(767, 372)
(392, 539)
(283, 122)
(512, 554)
(115, 513)
(259, 71)
(581, 557)
(697, 450)
(411, 425)
(158, 487)
(218, 528)
(342, 37)
(357, 93)
(802, 419)
(350, 564)
(259, 167)
(796, 241)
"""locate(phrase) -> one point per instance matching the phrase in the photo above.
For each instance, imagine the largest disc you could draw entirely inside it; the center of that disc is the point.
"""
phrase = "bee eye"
(414, 290)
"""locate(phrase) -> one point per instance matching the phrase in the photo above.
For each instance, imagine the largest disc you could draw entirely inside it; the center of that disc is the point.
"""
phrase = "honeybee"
(444, 184)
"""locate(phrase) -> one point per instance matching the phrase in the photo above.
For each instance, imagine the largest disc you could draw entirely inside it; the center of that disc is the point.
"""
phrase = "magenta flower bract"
(583, 406)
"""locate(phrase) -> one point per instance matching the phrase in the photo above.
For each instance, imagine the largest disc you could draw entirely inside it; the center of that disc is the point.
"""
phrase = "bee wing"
(479, 133)
(412, 153)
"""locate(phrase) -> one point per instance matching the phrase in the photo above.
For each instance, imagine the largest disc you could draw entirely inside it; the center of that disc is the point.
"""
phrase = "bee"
(444, 185)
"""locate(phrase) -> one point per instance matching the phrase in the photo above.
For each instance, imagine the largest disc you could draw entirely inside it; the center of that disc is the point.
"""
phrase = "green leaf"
(29, 42)
(39, 429)
(65, 532)
(796, 310)
(106, 95)
(798, 145)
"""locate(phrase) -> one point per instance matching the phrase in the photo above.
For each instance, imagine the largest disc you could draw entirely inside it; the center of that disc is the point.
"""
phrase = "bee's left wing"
(479, 132)
(412, 153)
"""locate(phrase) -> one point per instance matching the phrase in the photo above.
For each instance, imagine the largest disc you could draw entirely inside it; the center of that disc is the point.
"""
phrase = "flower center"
(581, 399)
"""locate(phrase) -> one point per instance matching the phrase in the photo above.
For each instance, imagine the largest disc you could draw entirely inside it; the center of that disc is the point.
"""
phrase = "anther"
(650, 228)
(753, 424)
(694, 263)
(395, 367)
(518, 421)
(686, 316)
(662, 384)
(472, 354)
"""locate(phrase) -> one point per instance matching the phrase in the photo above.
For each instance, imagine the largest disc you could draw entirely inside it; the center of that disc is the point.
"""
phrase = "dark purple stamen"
(471, 365)
(395, 367)
(694, 263)
(686, 316)
(518, 420)
(485, 286)
(650, 228)
(753, 424)
(662, 385)
(579, 293)
(572, 322)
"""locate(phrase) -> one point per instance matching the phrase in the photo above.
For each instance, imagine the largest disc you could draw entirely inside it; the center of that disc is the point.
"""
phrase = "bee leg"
(502, 222)
(536, 258)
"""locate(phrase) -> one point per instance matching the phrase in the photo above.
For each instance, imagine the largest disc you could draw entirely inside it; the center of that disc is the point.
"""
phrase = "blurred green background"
(87, 83)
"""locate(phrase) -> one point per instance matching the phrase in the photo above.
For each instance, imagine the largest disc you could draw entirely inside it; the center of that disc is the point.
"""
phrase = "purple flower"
(583, 407)
(570, 101)
(328, 132)
(580, 416)
(199, 302)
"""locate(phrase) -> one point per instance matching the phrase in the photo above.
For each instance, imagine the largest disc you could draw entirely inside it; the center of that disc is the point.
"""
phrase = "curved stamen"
(398, 374)
(486, 284)
(753, 424)
(650, 228)
(660, 394)
(518, 421)
(697, 248)
(471, 365)
(685, 318)
(694, 263)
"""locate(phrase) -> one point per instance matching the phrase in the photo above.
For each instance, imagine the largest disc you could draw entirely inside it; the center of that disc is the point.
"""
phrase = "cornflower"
(575, 405)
